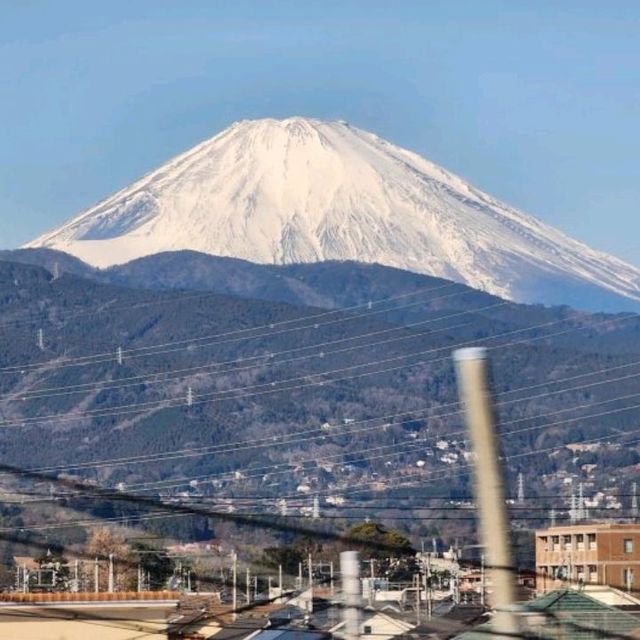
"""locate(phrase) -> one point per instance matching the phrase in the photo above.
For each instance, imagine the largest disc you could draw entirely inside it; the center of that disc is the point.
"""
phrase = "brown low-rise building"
(585, 554)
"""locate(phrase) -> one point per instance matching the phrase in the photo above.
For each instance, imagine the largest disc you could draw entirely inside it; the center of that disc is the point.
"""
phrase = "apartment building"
(586, 554)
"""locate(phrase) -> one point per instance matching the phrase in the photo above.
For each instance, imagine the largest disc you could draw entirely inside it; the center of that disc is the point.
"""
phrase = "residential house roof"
(570, 615)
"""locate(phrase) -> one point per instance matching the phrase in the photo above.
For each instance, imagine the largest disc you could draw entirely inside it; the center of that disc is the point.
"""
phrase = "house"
(378, 625)
(567, 614)
(58, 616)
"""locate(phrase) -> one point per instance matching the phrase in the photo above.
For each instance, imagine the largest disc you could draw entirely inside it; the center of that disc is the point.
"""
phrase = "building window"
(544, 543)
(567, 543)
(593, 573)
(580, 541)
(367, 629)
(591, 539)
(628, 545)
(627, 578)
(556, 542)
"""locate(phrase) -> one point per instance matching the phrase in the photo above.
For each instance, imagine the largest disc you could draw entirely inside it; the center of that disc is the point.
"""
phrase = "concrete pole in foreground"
(350, 575)
(474, 392)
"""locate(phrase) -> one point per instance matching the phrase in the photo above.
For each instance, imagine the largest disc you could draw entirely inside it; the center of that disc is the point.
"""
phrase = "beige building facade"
(606, 554)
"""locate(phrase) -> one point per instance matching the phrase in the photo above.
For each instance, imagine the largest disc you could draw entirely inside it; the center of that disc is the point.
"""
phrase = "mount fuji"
(301, 190)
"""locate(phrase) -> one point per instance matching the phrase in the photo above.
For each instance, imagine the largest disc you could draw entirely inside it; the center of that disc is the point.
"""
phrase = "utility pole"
(474, 391)
(331, 576)
(300, 576)
(119, 355)
(235, 583)
(310, 585)
(248, 585)
(189, 396)
(417, 581)
(280, 580)
(371, 581)
(482, 581)
(40, 339)
(139, 578)
(428, 587)
(350, 573)
(96, 576)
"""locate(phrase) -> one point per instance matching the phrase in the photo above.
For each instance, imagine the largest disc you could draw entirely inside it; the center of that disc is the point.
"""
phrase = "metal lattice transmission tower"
(520, 488)
(582, 514)
(573, 510)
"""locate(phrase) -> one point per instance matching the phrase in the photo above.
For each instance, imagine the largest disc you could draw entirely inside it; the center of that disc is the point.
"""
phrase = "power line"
(414, 444)
(267, 360)
(354, 487)
(169, 347)
(232, 394)
(98, 492)
(304, 435)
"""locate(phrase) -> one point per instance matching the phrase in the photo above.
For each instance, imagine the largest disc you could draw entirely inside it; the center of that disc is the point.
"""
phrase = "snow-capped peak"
(305, 190)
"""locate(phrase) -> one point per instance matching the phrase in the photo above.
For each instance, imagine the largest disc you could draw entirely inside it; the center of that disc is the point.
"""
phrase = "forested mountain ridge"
(337, 400)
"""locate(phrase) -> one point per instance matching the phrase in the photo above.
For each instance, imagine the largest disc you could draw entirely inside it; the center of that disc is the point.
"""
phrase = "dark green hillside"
(261, 372)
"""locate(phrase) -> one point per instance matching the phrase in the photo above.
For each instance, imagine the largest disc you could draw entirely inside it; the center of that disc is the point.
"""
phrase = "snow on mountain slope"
(303, 190)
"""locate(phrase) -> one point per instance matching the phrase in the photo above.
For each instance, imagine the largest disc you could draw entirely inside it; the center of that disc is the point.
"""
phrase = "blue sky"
(536, 102)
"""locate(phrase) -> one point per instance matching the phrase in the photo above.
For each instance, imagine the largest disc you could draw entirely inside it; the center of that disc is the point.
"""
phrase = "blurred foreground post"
(350, 576)
(474, 392)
